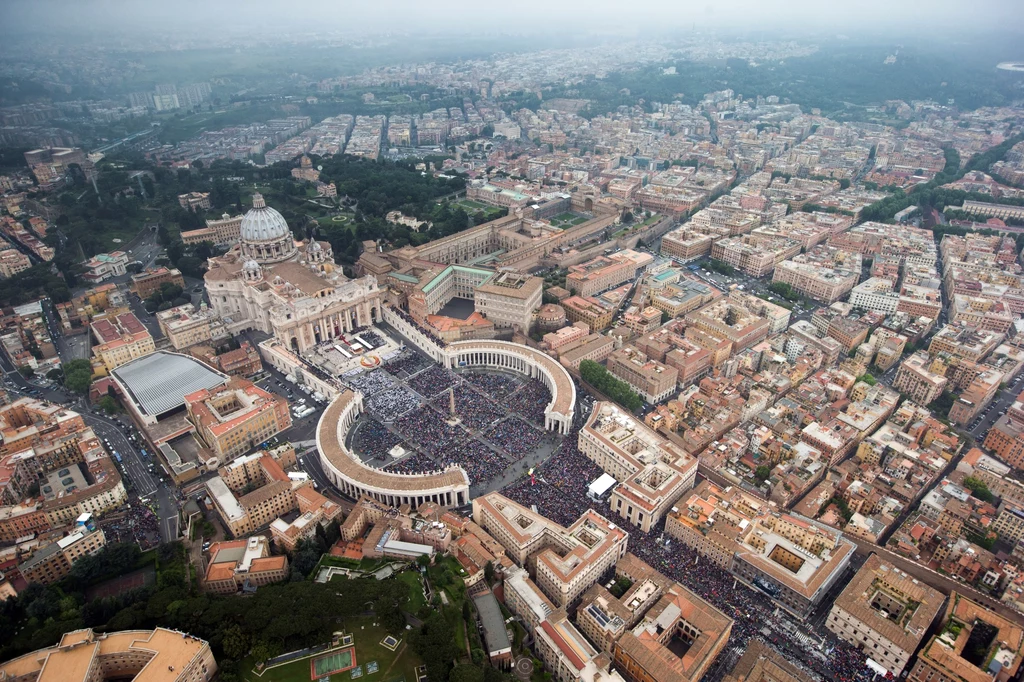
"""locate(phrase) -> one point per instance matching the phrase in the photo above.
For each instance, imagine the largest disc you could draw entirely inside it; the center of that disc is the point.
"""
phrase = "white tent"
(602, 485)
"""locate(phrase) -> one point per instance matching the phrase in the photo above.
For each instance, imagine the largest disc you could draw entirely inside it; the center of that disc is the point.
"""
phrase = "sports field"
(335, 662)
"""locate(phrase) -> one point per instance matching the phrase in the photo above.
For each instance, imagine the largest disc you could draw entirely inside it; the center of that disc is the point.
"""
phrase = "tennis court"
(336, 662)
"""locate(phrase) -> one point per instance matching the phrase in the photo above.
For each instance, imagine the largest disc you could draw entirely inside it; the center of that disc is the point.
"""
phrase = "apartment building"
(243, 565)
(524, 599)
(975, 397)
(53, 562)
(679, 621)
(593, 347)
(606, 272)
(794, 560)
(755, 255)
(187, 326)
(1010, 523)
(145, 283)
(918, 380)
(654, 472)
(877, 294)
(509, 300)
(82, 655)
(120, 340)
(569, 560)
(728, 319)
(195, 201)
(235, 417)
(948, 658)
(652, 380)
(962, 341)
(250, 512)
(596, 315)
(825, 284)
(225, 231)
(885, 613)
(314, 510)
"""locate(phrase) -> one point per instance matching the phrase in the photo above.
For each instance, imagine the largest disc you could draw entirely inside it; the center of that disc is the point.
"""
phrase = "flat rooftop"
(159, 382)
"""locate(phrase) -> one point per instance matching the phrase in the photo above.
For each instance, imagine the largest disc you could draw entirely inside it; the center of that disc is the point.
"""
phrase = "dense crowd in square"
(497, 386)
(406, 362)
(371, 383)
(392, 403)
(530, 401)
(475, 411)
(374, 440)
(480, 462)
(515, 437)
(430, 382)
(428, 430)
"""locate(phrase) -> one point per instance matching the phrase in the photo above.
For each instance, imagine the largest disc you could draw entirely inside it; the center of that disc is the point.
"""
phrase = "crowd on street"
(137, 524)
(558, 489)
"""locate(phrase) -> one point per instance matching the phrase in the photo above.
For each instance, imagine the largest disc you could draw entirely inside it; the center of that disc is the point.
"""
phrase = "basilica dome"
(263, 223)
(265, 235)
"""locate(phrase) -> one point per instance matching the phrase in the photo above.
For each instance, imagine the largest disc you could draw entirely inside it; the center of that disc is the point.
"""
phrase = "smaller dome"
(314, 246)
(251, 266)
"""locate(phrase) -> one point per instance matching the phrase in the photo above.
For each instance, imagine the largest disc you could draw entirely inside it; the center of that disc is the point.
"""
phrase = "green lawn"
(393, 665)
(416, 598)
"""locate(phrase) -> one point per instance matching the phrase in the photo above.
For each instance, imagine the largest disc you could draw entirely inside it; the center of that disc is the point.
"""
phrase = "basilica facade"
(293, 291)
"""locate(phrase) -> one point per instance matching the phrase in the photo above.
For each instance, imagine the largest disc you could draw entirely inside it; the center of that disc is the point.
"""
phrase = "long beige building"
(159, 655)
(653, 472)
(793, 560)
(652, 380)
(885, 613)
(567, 561)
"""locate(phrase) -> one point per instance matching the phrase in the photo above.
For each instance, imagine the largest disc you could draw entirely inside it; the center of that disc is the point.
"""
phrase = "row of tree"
(604, 381)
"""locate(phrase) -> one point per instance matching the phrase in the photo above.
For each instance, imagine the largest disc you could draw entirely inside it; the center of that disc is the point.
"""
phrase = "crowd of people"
(480, 462)
(530, 401)
(428, 430)
(392, 403)
(515, 437)
(497, 386)
(430, 382)
(407, 362)
(371, 383)
(413, 463)
(475, 411)
(558, 490)
(374, 440)
(136, 524)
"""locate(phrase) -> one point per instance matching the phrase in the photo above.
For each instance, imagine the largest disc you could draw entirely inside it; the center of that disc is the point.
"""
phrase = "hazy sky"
(97, 17)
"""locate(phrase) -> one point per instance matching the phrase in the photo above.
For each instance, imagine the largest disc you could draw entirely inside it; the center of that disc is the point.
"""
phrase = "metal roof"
(159, 382)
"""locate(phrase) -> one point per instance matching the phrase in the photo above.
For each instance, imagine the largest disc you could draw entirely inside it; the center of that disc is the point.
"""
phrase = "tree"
(234, 643)
(467, 673)
(26, 371)
(619, 391)
(78, 375)
(489, 573)
(108, 404)
(978, 488)
(762, 473)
